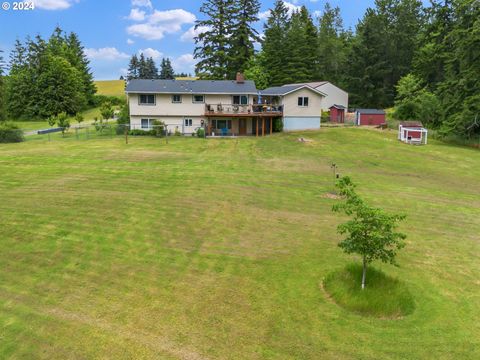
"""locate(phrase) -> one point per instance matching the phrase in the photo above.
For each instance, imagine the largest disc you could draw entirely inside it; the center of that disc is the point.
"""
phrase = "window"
(240, 100)
(147, 99)
(188, 122)
(147, 123)
(303, 101)
(222, 124)
(198, 98)
(176, 98)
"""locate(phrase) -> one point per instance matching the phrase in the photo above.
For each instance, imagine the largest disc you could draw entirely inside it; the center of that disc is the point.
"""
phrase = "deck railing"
(249, 109)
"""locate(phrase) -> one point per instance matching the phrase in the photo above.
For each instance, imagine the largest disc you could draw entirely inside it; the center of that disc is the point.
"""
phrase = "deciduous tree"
(371, 233)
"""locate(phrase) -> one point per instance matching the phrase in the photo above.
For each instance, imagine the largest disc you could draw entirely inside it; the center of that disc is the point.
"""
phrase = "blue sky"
(113, 30)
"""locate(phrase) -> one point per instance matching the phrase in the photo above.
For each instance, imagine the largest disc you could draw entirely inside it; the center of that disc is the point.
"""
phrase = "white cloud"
(130, 42)
(149, 52)
(54, 4)
(191, 33)
(160, 23)
(107, 53)
(184, 63)
(290, 8)
(136, 15)
(142, 3)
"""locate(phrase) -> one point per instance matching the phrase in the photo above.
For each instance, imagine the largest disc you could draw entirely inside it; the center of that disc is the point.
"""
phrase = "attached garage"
(372, 117)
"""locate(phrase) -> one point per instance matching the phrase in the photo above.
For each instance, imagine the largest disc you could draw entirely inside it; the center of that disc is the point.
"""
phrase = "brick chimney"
(240, 78)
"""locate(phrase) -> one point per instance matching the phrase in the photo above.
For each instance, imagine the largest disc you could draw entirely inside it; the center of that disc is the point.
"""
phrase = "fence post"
(88, 135)
(76, 133)
(126, 134)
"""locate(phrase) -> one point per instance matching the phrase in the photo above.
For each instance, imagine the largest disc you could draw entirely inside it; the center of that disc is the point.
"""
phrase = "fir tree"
(243, 35)
(212, 44)
(142, 67)
(151, 69)
(166, 70)
(133, 68)
(275, 30)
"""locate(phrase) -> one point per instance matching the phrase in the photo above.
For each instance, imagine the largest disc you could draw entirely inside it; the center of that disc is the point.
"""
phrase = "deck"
(250, 110)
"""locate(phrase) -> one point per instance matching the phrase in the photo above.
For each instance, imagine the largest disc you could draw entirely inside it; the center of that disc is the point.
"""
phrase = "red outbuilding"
(370, 117)
(337, 114)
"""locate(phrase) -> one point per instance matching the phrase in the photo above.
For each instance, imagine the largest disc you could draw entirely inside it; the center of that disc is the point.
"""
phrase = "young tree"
(243, 35)
(212, 44)
(79, 118)
(106, 110)
(166, 70)
(273, 46)
(63, 122)
(371, 232)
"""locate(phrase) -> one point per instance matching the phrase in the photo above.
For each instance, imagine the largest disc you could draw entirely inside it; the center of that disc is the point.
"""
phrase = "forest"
(422, 60)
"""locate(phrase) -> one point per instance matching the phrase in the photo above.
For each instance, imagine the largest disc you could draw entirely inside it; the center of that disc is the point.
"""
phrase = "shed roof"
(191, 87)
(411, 124)
(341, 107)
(371, 111)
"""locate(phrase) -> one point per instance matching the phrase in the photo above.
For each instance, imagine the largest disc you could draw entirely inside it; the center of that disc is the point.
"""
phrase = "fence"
(97, 131)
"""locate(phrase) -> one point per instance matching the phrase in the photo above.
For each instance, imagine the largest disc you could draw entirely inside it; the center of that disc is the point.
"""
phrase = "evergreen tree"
(78, 59)
(243, 35)
(142, 67)
(275, 30)
(166, 70)
(301, 48)
(257, 72)
(17, 56)
(212, 44)
(133, 68)
(333, 43)
(151, 69)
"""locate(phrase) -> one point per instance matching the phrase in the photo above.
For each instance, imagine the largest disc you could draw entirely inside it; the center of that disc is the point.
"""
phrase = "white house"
(227, 107)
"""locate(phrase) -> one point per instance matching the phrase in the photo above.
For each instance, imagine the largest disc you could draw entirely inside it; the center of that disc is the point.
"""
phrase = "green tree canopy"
(371, 233)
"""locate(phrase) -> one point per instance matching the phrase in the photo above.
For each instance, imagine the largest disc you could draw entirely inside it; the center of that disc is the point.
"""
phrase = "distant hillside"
(111, 87)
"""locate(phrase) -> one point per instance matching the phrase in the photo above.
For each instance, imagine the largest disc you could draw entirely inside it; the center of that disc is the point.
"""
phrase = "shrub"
(278, 125)
(201, 132)
(10, 133)
(99, 100)
(159, 128)
(177, 131)
(138, 132)
(325, 116)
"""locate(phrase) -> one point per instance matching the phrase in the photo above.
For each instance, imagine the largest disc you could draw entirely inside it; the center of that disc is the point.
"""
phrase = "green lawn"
(218, 248)
(111, 87)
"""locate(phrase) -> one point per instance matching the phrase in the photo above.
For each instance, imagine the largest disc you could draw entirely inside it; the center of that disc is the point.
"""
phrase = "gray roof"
(191, 87)
(371, 111)
(341, 107)
(280, 90)
(286, 89)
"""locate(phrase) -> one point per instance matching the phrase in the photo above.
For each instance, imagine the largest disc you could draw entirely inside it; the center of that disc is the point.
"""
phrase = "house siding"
(172, 122)
(294, 123)
(335, 96)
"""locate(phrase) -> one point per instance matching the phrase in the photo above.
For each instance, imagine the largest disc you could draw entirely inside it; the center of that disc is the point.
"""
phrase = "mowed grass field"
(216, 249)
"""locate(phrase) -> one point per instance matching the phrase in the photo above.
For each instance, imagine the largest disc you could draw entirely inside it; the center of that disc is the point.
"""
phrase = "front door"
(242, 127)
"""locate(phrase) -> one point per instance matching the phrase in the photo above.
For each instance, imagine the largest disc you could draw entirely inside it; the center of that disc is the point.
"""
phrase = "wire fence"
(99, 131)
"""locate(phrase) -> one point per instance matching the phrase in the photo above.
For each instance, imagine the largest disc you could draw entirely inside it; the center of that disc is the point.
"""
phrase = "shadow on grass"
(383, 296)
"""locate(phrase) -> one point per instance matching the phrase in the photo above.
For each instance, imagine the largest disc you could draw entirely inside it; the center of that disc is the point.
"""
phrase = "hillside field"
(111, 87)
(217, 249)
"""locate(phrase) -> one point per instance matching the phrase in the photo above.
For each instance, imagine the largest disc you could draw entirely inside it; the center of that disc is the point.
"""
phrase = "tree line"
(141, 67)
(424, 60)
(47, 77)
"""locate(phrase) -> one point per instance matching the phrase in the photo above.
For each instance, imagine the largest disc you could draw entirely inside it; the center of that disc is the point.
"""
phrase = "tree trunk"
(364, 274)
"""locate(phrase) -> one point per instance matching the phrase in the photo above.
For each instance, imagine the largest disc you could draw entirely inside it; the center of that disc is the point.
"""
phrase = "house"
(412, 132)
(300, 103)
(223, 107)
(333, 94)
(370, 117)
(337, 113)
